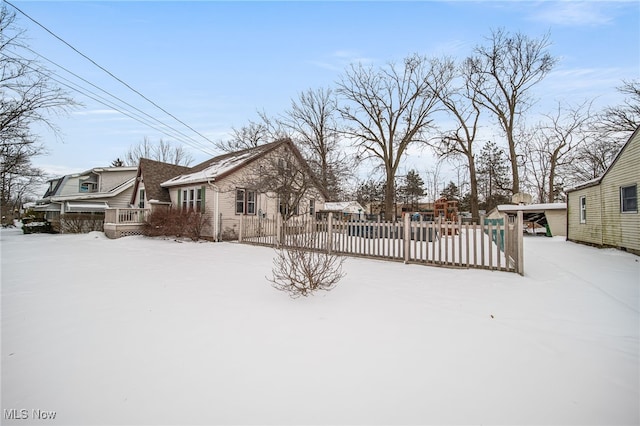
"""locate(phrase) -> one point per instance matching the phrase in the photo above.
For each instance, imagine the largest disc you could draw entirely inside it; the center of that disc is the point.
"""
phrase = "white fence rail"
(492, 244)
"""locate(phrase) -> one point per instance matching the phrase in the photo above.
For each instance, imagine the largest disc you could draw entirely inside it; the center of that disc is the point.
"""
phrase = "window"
(629, 199)
(141, 199)
(286, 209)
(192, 199)
(583, 209)
(312, 207)
(245, 202)
(88, 187)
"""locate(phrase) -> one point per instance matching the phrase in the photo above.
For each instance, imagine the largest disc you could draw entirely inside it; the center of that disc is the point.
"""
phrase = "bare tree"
(387, 110)
(503, 74)
(433, 180)
(608, 131)
(254, 134)
(312, 121)
(301, 271)
(27, 96)
(283, 174)
(162, 151)
(552, 146)
(624, 118)
(460, 100)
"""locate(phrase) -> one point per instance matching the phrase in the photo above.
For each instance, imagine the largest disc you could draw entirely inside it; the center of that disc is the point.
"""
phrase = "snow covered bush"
(301, 271)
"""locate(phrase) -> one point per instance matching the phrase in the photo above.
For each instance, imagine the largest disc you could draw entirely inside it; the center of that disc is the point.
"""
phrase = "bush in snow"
(301, 271)
(175, 223)
(79, 223)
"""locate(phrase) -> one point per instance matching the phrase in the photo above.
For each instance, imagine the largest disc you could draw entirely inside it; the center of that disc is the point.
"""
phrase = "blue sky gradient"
(215, 64)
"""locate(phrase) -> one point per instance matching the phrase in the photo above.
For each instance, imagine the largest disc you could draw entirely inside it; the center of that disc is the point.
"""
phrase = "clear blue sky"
(214, 64)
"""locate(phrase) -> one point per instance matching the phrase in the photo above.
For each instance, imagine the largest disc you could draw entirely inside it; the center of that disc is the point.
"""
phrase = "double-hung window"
(629, 199)
(141, 199)
(245, 202)
(583, 209)
(192, 199)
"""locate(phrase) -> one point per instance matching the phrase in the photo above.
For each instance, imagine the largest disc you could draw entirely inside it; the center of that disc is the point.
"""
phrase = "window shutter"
(179, 200)
(203, 192)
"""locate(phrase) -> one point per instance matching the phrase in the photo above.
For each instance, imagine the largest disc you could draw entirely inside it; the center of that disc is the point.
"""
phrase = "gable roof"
(154, 173)
(224, 165)
(598, 180)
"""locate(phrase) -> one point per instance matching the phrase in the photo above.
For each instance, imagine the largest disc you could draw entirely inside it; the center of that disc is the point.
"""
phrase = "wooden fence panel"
(491, 245)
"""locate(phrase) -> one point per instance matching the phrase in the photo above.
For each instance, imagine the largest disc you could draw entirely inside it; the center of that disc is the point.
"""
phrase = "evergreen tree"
(493, 176)
(412, 189)
(451, 192)
(370, 191)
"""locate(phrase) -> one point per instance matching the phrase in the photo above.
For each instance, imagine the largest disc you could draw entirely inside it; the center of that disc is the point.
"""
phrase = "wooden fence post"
(520, 232)
(407, 237)
(278, 230)
(329, 232)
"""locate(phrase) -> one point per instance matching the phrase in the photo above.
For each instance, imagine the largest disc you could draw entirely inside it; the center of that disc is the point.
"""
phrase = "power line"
(189, 140)
(107, 71)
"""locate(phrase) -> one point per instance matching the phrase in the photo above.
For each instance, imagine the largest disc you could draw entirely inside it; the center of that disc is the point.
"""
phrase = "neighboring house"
(604, 211)
(226, 187)
(346, 210)
(92, 191)
(550, 218)
(147, 192)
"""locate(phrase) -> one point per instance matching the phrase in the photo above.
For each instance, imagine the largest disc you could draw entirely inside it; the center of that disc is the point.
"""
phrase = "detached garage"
(549, 217)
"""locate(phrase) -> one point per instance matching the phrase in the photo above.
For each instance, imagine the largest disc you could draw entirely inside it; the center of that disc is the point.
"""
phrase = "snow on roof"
(217, 167)
(531, 207)
(344, 206)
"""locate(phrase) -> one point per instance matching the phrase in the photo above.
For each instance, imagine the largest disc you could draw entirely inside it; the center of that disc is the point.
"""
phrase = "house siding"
(606, 224)
(621, 229)
(220, 203)
(591, 231)
(111, 179)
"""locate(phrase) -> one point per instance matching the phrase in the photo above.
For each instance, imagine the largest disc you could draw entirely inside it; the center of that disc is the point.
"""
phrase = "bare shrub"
(175, 223)
(79, 223)
(300, 271)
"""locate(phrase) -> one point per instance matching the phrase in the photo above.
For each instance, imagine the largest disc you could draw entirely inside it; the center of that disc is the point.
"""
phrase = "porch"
(124, 222)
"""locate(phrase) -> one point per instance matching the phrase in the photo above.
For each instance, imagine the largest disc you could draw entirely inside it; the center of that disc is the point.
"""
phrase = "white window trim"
(583, 208)
(245, 202)
(191, 199)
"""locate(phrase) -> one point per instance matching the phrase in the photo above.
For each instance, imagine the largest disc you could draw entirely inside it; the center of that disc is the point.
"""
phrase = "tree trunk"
(515, 185)
(475, 210)
(389, 195)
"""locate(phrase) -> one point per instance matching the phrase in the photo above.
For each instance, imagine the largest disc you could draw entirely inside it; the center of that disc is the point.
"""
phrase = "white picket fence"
(491, 244)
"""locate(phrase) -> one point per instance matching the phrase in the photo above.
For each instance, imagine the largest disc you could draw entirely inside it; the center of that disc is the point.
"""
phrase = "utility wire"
(107, 71)
(194, 143)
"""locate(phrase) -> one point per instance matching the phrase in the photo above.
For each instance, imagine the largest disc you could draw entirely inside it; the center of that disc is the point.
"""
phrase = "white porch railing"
(123, 222)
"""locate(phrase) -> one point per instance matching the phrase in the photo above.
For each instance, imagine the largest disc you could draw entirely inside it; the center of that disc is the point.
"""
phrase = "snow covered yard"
(149, 331)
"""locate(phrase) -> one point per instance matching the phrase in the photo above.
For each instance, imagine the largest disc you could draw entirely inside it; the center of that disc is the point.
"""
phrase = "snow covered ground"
(152, 331)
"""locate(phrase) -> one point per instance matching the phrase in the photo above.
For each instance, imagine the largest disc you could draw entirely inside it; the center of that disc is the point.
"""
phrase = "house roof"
(598, 180)
(223, 165)
(343, 206)
(531, 207)
(154, 173)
